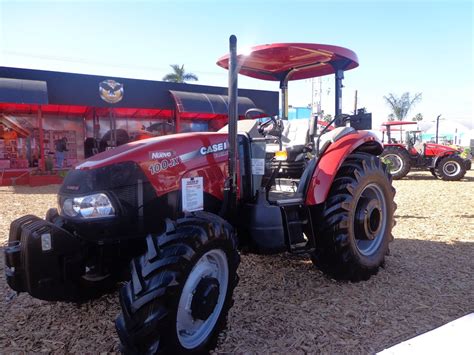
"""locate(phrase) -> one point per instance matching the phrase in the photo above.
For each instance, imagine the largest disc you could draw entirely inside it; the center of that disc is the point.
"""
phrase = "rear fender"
(329, 164)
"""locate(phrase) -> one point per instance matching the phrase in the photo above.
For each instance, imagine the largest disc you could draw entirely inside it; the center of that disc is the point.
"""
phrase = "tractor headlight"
(91, 206)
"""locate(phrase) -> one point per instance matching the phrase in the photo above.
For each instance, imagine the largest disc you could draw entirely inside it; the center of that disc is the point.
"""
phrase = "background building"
(95, 113)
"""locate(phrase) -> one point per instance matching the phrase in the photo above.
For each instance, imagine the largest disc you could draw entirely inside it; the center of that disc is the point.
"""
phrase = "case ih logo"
(111, 91)
(213, 148)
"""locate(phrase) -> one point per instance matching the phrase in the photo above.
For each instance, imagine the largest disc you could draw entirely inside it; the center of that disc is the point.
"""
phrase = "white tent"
(450, 130)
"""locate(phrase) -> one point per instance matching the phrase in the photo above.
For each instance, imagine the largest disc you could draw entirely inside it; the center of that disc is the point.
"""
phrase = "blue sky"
(415, 46)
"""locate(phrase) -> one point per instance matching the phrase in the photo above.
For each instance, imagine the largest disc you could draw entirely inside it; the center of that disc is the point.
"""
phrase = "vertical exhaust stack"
(230, 188)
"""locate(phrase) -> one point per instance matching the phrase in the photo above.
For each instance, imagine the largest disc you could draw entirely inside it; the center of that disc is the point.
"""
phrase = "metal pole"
(233, 113)
(339, 75)
(355, 103)
(177, 123)
(320, 99)
(41, 139)
(437, 127)
(284, 97)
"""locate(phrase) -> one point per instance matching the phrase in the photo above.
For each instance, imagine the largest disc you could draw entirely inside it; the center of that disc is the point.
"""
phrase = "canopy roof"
(309, 60)
(82, 90)
(200, 105)
(398, 123)
(23, 91)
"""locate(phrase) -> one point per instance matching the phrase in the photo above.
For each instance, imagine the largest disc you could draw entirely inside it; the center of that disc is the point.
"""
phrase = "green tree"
(402, 105)
(179, 75)
(418, 117)
(326, 117)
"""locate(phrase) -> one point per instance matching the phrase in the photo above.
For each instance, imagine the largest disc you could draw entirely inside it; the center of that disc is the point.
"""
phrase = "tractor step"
(297, 225)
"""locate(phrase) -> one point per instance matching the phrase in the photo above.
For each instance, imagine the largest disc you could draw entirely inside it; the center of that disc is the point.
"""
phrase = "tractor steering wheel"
(252, 112)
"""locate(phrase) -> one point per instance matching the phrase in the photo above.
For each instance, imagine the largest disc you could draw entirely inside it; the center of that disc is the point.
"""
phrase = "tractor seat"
(332, 136)
(325, 141)
(293, 137)
(420, 148)
(295, 133)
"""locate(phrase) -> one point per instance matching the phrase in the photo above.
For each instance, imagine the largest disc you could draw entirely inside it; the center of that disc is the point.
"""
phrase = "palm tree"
(179, 75)
(401, 106)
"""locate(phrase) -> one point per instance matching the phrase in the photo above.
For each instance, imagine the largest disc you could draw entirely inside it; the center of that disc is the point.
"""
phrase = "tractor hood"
(161, 161)
(184, 146)
(440, 149)
(143, 178)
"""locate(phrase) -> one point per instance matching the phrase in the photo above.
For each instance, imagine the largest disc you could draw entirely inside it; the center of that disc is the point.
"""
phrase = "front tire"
(356, 221)
(181, 289)
(451, 168)
(399, 161)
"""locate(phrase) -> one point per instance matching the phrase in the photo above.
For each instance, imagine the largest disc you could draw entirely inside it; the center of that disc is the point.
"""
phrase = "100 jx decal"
(155, 168)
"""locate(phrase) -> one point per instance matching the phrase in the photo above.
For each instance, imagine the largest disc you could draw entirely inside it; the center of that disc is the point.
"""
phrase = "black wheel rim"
(370, 219)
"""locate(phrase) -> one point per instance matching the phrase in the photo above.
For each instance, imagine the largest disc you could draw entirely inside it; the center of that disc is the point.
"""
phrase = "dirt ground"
(283, 304)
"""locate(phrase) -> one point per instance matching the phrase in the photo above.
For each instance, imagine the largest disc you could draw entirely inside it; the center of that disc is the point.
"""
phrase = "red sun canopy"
(308, 60)
(398, 123)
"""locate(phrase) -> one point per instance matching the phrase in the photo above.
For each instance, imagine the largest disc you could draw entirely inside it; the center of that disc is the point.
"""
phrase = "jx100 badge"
(165, 164)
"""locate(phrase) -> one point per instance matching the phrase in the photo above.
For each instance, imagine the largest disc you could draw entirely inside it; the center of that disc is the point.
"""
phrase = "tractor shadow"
(428, 176)
(423, 285)
(409, 217)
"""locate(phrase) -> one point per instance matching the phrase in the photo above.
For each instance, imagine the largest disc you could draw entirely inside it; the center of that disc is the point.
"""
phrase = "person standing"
(61, 149)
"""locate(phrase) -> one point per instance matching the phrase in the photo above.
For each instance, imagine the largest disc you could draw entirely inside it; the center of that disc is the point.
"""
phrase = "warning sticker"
(192, 191)
(258, 166)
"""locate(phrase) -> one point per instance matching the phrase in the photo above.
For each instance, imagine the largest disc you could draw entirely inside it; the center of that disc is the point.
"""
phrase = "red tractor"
(178, 208)
(409, 151)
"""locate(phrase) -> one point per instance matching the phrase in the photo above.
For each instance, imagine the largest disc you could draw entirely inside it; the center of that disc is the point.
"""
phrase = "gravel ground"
(283, 304)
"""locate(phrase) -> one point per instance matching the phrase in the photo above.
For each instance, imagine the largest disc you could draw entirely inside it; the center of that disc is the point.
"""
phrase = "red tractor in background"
(409, 151)
(178, 208)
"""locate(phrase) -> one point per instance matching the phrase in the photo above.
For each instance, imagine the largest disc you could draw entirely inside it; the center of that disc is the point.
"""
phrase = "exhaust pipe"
(230, 187)
(233, 113)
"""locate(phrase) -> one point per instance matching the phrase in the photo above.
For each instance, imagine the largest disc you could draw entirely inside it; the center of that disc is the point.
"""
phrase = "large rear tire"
(399, 160)
(451, 168)
(181, 289)
(355, 225)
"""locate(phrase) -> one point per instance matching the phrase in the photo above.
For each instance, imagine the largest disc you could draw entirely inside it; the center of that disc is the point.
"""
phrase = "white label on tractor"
(46, 242)
(258, 166)
(193, 196)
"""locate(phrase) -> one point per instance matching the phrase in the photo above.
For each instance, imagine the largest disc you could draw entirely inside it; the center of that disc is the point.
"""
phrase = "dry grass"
(283, 304)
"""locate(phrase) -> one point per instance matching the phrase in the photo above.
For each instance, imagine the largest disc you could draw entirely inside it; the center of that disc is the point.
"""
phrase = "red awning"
(83, 111)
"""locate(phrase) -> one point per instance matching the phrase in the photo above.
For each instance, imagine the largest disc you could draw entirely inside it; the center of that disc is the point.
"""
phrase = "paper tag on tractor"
(192, 192)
